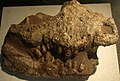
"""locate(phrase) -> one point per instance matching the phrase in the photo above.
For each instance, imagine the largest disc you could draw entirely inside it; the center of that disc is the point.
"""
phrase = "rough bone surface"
(63, 45)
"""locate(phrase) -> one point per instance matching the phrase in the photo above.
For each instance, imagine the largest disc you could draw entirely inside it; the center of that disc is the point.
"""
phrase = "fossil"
(63, 45)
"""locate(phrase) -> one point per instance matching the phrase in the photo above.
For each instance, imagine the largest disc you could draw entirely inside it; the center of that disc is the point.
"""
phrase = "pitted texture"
(63, 45)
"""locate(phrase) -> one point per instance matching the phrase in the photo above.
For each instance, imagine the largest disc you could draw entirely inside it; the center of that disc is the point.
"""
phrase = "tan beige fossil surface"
(63, 45)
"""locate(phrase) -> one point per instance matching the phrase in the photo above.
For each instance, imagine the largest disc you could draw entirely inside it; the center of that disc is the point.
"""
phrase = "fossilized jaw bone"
(58, 46)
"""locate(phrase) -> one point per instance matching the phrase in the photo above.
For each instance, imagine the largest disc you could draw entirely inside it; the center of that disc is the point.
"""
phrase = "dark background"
(50, 2)
(115, 5)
